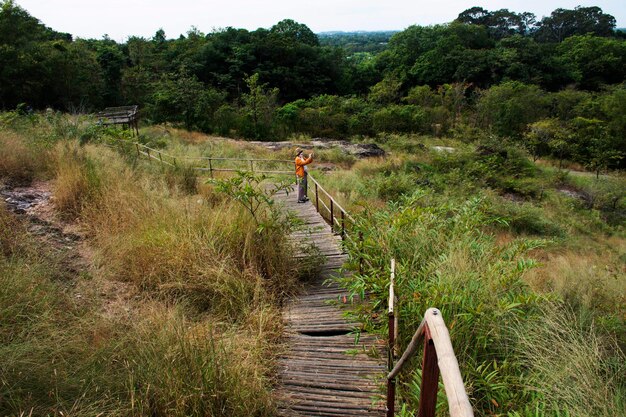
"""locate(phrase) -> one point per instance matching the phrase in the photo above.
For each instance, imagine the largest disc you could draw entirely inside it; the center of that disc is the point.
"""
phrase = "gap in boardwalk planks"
(325, 333)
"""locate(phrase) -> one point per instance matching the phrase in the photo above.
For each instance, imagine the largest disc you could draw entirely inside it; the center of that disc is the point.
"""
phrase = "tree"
(597, 149)
(385, 92)
(291, 32)
(474, 16)
(500, 23)
(27, 47)
(563, 23)
(249, 190)
(180, 97)
(613, 106)
(594, 60)
(460, 53)
(508, 108)
(545, 136)
(112, 62)
(259, 106)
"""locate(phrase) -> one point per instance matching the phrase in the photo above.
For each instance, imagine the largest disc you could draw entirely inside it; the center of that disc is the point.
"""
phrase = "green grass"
(492, 240)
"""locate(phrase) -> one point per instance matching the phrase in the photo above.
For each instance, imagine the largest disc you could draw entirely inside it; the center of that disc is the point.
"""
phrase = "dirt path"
(66, 245)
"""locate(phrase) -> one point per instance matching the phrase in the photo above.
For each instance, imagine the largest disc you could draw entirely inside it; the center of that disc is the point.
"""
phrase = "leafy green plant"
(249, 190)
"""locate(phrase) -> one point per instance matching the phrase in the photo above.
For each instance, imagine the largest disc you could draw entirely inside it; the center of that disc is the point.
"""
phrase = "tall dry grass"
(76, 179)
(585, 279)
(575, 371)
(205, 328)
(21, 161)
(208, 253)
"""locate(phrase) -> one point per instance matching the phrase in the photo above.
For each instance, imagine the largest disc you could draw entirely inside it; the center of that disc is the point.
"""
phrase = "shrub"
(525, 218)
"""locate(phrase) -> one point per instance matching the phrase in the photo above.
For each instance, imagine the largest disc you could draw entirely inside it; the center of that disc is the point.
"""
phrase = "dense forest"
(554, 84)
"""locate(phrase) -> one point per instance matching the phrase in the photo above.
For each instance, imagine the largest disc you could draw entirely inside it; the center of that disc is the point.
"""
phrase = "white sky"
(122, 18)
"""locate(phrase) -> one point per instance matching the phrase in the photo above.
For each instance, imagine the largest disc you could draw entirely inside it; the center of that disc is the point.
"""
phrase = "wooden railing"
(332, 211)
(438, 359)
(338, 218)
(125, 115)
(208, 163)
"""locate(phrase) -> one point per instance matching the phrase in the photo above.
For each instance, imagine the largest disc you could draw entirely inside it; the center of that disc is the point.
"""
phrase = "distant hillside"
(358, 41)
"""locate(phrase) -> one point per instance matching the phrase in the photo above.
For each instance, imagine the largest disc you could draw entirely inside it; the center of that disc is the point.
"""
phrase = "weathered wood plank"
(324, 371)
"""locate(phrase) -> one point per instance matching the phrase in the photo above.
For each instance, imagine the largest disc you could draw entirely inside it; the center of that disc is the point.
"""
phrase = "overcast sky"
(122, 18)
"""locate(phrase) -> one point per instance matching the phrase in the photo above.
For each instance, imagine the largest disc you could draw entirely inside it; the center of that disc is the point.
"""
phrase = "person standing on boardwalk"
(301, 174)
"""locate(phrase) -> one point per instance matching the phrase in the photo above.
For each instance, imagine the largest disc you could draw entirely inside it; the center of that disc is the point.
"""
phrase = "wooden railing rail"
(338, 218)
(438, 359)
(337, 215)
(170, 160)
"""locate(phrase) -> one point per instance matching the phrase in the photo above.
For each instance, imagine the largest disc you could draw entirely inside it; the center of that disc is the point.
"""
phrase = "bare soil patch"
(65, 243)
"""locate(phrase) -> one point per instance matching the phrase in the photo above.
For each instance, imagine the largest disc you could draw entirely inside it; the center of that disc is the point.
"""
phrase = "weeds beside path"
(123, 293)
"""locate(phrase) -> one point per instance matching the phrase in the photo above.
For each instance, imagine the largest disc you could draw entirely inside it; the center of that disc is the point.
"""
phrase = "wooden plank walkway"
(323, 372)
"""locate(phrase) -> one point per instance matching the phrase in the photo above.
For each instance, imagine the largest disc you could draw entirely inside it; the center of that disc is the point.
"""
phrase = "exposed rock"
(359, 150)
(443, 149)
(573, 193)
(486, 150)
(366, 150)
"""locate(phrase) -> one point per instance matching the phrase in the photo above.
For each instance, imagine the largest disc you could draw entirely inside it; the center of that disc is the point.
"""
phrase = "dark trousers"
(302, 187)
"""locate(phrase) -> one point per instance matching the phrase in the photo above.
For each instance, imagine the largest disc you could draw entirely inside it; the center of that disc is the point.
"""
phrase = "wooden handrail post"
(160, 157)
(430, 377)
(391, 383)
(317, 199)
(332, 219)
(343, 225)
(137, 146)
(251, 165)
(210, 168)
(391, 397)
(438, 359)
(149, 157)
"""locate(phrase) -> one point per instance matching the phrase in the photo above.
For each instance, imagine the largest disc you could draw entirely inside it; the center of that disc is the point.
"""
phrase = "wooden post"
(317, 199)
(332, 218)
(160, 158)
(391, 397)
(343, 225)
(391, 383)
(138, 153)
(148, 152)
(430, 377)
(210, 168)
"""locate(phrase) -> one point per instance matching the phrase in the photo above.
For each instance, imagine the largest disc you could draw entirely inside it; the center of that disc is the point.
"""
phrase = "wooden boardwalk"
(323, 372)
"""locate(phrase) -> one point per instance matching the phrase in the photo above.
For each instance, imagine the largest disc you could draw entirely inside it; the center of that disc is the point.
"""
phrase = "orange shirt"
(300, 163)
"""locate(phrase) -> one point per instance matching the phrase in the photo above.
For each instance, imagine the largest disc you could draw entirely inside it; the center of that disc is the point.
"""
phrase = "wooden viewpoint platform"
(321, 373)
